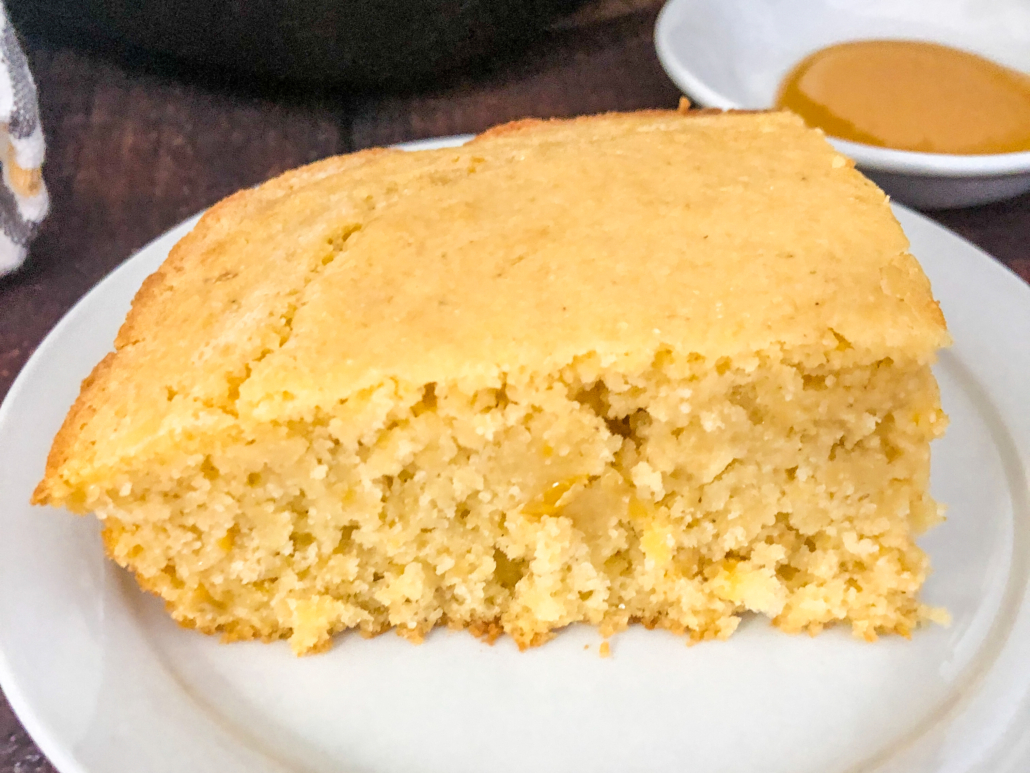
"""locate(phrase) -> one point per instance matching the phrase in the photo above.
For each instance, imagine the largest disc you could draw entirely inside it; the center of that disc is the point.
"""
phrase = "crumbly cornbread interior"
(646, 367)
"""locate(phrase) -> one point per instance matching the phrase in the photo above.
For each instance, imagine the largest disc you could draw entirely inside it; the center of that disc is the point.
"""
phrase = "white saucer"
(104, 681)
(735, 53)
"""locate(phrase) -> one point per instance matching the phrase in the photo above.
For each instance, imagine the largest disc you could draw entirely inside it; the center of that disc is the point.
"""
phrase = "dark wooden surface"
(135, 146)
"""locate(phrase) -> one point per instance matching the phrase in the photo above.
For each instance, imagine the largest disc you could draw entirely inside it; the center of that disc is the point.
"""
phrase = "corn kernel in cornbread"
(647, 367)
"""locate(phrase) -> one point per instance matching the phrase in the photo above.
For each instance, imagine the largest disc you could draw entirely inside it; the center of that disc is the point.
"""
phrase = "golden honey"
(911, 95)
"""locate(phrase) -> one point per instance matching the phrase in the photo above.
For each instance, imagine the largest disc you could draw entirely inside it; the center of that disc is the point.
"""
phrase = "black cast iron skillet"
(360, 42)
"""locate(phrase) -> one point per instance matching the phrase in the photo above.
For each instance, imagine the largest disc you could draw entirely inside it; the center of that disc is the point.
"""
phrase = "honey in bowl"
(911, 95)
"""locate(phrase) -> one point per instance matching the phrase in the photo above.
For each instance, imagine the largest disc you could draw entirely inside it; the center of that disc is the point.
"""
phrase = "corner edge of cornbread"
(644, 367)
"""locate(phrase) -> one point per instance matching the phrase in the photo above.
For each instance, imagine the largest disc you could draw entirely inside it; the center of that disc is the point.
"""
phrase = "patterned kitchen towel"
(23, 197)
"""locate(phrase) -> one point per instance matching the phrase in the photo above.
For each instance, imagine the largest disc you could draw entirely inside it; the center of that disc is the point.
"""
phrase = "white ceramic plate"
(106, 683)
(735, 53)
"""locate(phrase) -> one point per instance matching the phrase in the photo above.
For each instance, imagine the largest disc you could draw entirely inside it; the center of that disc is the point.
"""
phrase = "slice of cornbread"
(647, 367)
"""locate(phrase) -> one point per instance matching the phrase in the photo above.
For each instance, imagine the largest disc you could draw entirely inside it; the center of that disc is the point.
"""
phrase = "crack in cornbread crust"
(262, 272)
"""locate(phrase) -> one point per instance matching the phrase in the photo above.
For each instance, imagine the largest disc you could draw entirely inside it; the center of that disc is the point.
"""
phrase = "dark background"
(136, 142)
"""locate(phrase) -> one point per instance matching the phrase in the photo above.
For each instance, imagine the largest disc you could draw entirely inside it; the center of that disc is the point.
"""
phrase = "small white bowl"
(735, 53)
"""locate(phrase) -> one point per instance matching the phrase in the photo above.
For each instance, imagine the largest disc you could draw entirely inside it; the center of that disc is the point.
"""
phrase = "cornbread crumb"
(658, 368)
(605, 650)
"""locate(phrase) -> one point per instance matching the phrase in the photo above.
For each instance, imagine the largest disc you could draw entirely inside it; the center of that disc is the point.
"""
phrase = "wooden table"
(135, 146)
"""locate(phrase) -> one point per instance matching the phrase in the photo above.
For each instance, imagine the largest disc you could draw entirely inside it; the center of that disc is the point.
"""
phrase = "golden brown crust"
(78, 416)
(488, 631)
(491, 630)
(524, 125)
